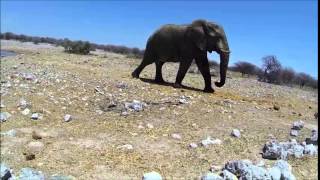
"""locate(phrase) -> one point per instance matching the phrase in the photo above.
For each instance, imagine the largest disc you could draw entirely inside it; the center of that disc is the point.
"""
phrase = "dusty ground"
(87, 147)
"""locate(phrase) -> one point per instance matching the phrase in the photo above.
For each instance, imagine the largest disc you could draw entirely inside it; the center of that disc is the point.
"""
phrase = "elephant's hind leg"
(159, 78)
(147, 59)
(183, 68)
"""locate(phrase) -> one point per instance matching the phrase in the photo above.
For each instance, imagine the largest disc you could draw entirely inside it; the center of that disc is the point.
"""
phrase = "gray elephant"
(183, 43)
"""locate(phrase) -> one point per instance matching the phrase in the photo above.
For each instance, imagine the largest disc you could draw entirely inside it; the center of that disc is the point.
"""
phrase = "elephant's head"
(209, 36)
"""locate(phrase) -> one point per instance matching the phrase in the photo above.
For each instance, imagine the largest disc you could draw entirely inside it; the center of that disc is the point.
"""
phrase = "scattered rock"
(274, 150)
(209, 141)
(67, 118)
(35, 116)
(314, 138)
(124, 113)
(122, 85)
(152, 176)
(294, 132)
(276, 107)
(245, 169)
(285, 170)
(5, 172)
(126, 147)
(227, 175)
(36, 135)
(176, 136)
(298, 125)
(61, 177)
(193, 145)
(25, 111)
(150, 126)
(310, 149)
(4, 116)
(236, 133)
(35, 146)
(2, 105)
(29, 173)
(29, 156)
(211, 176)
(11, 133)
(214, 168)
(135, 105)
(23, 104)
(316, 115)
(28, 76)
(183, 100)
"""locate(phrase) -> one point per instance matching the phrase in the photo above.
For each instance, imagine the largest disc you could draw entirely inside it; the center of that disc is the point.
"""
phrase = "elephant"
(183, 44)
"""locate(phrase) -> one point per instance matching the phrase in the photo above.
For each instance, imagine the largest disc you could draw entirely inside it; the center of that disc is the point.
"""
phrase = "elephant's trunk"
(224, 60)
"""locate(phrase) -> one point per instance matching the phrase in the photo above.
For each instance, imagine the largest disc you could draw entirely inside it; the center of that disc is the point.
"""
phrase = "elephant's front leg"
(159, 78)
(203, 65)
(183, 68)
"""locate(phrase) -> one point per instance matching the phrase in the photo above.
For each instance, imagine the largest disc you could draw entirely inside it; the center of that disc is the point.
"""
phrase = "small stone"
(209, 141)
(236, 133)
(211, 176)
(4, 116)
(30, 156)
(29, 173)
(276, 107)
(22, 104)
(126, 147)
(124, 113)
(298, 125)
(228, 175)
(193, 145)
(294, 133)
(35, 116)
(152, 176)
(310, 149)
(25, 111)
(214, 168)
(36, 135)
(150, 126)
(176, 136)
(67, 118)
(61, 177)
(2, 105)
(99, 111)
(316, 115)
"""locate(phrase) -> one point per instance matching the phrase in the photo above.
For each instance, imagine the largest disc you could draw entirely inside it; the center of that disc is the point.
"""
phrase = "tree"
(272, 69)
(245, 68)
(287, 75)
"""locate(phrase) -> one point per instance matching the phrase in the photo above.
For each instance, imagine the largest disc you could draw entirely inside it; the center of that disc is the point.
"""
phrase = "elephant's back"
(166, 41)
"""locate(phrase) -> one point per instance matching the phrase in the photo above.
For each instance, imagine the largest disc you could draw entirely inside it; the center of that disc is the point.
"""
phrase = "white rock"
(209, 141)
(35, 116)
(176, 136)
(236, 133)
(67, 118)
(150, 126)
(193, 145)
(152, 176)
(25, 111)
(4, 116)
(22, 103)
(126, 146)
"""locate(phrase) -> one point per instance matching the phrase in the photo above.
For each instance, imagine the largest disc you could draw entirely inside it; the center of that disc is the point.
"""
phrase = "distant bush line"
(273, 72)
(270, 72)
(77, 47)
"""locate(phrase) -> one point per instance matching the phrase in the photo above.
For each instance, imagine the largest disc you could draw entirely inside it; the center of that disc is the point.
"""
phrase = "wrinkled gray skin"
(183, 43)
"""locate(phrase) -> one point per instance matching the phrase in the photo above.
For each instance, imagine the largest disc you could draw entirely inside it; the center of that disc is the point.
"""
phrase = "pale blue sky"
(287, 29)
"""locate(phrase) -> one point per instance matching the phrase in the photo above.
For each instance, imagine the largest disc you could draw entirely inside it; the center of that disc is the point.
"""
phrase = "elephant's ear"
(196, 33)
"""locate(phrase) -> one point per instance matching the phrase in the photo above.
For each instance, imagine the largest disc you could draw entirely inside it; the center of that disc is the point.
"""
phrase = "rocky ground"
(83, 116)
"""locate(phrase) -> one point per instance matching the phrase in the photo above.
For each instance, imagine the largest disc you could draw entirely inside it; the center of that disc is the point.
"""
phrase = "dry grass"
(87, 147)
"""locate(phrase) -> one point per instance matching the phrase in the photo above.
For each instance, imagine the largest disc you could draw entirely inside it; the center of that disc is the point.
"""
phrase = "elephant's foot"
(134, 74)
(208, 90)
(177, 85)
